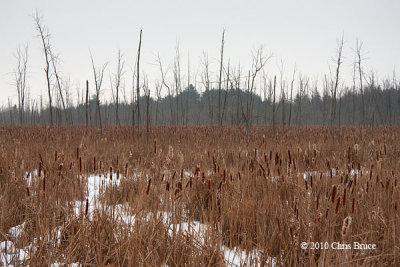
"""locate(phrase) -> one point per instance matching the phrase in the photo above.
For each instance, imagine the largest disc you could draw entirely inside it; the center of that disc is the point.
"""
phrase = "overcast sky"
(304, 33)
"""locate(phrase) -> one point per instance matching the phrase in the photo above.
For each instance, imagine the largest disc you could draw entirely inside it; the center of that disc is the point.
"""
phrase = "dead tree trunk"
(87, 105)
(20, 80)
(273, 107)
(98, 81)
(45, 43)
(336, 84)
(58, 84)
(137, 84)
(360, 73)
(220, 78)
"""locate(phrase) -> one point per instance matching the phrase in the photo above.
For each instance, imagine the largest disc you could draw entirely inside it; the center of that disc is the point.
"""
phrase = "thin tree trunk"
(86, 105)
(220, 79)
(137, 84)
(273, 107)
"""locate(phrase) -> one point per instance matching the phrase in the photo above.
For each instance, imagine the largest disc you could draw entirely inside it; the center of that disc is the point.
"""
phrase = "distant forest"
(377, 105)
(228, 95)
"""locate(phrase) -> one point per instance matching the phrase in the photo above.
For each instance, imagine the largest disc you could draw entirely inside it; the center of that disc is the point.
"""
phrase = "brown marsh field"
(199, 196)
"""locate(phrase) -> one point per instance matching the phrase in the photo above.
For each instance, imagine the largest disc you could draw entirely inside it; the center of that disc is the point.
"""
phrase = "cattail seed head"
(148, 187)
(333, 193)
(346, 225)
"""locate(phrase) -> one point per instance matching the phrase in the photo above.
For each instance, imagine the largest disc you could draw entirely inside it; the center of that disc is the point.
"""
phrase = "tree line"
(230, 96)
(382, 107)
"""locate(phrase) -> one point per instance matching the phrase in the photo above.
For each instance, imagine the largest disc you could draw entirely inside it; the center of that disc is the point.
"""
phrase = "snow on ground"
(10, 254)
(236, 257)
(16, 231)
(96, 185)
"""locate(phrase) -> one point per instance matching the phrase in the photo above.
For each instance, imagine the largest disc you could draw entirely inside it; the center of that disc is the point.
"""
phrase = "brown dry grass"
(250, 192)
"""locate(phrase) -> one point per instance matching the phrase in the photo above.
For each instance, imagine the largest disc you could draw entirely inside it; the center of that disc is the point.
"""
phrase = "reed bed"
(189, 196)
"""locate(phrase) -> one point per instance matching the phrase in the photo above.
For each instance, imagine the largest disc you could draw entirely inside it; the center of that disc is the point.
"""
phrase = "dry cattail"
(333, 193)
(40, 169)
(148, 187)
(356, 148)
(179, 186)
(60, 169)
(353, 205)
(220, 186)
(346, 225)
(344, 197)
(279, 225)
(87, 207)
(337, 205)
(197, 170)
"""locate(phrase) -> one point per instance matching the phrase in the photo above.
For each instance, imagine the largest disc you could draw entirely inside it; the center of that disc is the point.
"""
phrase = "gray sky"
(298, 32)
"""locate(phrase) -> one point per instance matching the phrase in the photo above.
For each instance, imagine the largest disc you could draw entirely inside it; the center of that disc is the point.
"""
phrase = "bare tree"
(177, 83)
(372, 85)
(303, 87)
(259, 61)
(58, 82)
(341, 92)
(44, 36)
(360, 73)
(205, 78)
(291, 95)
(239, 101)
(273, 107)
(146, 91)
(20, 79)
(188, 93)
(163, 82)
(267, 95)
(68, 100)
(98, 81)
(282, 85)
(353, 110)
(220, 78)
(137, 83)
(228, 83)
(158, 88)
(116, 83)
(338, 61)
(87, 105)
